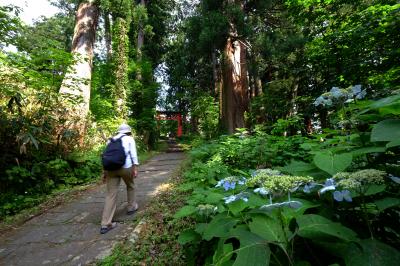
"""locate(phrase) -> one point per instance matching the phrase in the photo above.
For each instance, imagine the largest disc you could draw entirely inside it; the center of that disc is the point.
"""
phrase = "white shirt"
(130, 150)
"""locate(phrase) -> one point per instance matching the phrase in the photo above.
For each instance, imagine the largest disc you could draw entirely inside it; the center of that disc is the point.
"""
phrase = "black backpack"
(113, 157)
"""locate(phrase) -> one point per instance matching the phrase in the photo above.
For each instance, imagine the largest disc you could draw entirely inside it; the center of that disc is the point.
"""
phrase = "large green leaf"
(185, 211)
(268, 228)
(388, 101)
(219, 227)
(289, 213)
(393, 109)
(373, 253)
(237, 206)
(223, 252)
(317, 227)
(386, 130)
(374, 189)
(213, 198)
(366, 252)
(333, 163)
(385, 203)
(366, 150)
(256, 200)
(393, 143)
(253, 250)
(296, 167)
(188, 236)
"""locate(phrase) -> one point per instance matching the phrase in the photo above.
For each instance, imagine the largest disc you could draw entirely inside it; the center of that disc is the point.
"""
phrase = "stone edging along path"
(69, 234)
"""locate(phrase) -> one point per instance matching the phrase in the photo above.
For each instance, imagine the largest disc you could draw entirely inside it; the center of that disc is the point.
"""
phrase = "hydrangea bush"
(238, 210)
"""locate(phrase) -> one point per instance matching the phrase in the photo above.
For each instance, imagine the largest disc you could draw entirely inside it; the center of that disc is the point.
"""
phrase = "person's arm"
(134, 157)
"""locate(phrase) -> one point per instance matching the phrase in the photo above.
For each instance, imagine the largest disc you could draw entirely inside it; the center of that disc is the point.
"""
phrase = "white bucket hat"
(124, 128)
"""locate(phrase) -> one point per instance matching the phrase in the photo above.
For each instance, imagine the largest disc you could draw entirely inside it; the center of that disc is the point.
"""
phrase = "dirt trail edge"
(69, 234)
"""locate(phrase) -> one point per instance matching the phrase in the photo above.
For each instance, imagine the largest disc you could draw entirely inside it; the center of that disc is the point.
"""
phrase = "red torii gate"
(170, 115)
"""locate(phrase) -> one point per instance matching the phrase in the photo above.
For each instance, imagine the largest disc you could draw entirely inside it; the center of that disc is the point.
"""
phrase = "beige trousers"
(113, 179)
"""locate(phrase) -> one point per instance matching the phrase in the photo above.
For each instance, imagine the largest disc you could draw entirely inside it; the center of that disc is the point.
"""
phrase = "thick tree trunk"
(258, 86)
(76, 83)
(140, 42)
(121, 66)
(216, 78)
(293, 104)
(235, 86)
(107, 35)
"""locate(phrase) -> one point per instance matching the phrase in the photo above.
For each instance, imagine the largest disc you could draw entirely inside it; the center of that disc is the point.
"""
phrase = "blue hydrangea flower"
(349, 101)
(329, 185)
(361, 95)
(395, 179)
(243, 196)
(319, 101)
(356, 89)
(342, 195)
(220, 182)
(242, 181)
(328, 102)
(229, 185)
(307, 187)
(261, 191)
(336, 92)
(229, 199)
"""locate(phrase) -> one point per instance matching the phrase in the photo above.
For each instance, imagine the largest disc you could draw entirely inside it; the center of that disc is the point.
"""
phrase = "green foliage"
(207, 111)
(319, 228)
(332, 163)
(10, 24)
(387, 130)
(25, 186)
(264, 208)
(288, 126)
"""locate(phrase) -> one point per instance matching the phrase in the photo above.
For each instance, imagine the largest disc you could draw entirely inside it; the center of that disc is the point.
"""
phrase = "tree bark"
(293, 104)
(216, 78)
(235, 86)
(108, 36)
(121, 66)
(76, 83)
(258, 86)
(140, 42)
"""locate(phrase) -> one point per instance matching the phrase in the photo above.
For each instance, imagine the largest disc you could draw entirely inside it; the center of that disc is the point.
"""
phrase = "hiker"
(119, 162)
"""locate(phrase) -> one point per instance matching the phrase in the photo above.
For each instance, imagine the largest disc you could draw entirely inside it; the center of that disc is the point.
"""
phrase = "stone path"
(69, 234)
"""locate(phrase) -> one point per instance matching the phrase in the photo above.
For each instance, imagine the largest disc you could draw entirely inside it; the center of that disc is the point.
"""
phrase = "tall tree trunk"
(107, 35)
(76, 83)
(216, 78)
(140, 42)
(258, 86)
(293, 104)
(121, 44)
(235, 86)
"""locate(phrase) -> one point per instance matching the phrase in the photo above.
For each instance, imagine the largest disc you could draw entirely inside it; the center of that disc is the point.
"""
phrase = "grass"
(156, 242)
